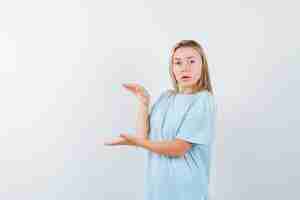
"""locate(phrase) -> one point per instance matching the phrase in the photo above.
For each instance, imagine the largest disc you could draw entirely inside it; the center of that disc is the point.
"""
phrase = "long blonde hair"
(204, 82)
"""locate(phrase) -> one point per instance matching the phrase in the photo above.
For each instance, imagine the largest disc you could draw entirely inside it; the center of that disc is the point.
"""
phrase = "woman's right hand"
(139, 91)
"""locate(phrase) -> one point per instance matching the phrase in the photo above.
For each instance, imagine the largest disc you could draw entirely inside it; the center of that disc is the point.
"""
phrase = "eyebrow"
(186, 57)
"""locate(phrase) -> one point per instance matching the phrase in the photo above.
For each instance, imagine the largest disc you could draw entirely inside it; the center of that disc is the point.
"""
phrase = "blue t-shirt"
(190, 117)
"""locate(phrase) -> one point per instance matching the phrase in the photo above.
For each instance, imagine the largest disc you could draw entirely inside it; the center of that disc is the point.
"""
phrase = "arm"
(142, 124)
(175, 147)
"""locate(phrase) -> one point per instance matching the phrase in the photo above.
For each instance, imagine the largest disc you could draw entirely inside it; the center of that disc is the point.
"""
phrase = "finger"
(110, 143)
(117, 141)
(126, 136)
(141, 90)
(134, 86)
(137, 88)
(123, 136)
(130, 85)
(132, 89)
(138, 91)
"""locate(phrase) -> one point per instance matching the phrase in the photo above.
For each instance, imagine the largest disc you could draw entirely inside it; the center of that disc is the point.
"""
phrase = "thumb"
(123, 135)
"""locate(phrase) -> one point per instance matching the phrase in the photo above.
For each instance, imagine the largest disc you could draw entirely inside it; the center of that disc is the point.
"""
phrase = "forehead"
(185, 52)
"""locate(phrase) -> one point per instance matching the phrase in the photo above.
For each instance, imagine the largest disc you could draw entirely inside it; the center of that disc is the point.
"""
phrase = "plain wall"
(62, 64)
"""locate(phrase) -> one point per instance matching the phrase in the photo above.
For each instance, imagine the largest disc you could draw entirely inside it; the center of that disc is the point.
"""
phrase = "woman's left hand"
(127, 139)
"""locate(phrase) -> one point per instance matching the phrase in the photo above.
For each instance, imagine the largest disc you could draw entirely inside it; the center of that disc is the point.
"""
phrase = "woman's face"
(187, 66)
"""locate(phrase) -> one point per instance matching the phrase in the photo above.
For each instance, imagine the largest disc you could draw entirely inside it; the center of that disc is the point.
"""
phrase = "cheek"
(175, 72)
(196, 71)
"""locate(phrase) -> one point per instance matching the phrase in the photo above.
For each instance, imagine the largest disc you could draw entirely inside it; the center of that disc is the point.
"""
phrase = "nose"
(185, 66)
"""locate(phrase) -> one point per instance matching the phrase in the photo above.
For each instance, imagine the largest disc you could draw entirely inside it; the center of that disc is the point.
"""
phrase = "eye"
(177, 63)
(192, 61)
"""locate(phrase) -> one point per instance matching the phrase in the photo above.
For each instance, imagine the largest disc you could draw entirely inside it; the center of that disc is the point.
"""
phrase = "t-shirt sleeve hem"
(193, 141)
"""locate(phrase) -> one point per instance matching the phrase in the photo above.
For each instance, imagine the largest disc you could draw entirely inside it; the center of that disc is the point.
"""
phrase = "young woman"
(179, 129)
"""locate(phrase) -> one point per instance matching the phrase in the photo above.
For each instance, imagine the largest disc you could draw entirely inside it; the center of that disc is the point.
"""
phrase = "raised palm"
(139, 91)
(143, 96)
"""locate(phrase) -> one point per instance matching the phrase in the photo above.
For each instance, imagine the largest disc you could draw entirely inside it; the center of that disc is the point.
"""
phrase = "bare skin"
(175, 147)
(142, 122)
(186, 62)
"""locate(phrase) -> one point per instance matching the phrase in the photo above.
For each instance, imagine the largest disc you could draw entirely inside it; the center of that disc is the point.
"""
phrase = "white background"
(62, 64)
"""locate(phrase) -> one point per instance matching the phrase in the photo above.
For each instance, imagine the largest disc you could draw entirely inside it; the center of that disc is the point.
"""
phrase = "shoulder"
(203, 96)
(163, 95)
(167, 93)
(206, 96)
(204, 101)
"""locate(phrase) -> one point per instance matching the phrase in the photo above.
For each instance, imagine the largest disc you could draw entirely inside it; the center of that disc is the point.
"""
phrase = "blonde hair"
(204, 82)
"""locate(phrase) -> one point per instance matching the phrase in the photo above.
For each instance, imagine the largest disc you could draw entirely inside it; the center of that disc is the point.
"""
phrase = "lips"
(185, 77)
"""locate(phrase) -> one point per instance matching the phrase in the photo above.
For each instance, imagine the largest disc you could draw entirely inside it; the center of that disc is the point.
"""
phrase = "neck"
(187, 90)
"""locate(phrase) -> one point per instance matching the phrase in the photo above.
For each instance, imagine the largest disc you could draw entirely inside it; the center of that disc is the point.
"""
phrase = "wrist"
(144, 143)
(144, 106)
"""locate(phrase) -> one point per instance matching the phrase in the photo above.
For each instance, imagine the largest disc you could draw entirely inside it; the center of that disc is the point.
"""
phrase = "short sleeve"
(198, 123)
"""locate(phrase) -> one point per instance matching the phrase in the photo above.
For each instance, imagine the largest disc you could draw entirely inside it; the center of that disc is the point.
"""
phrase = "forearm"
(142, 124)
(166, 147)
